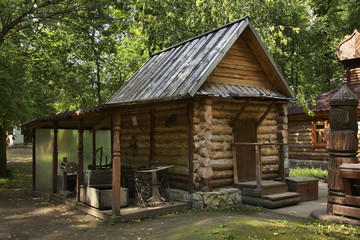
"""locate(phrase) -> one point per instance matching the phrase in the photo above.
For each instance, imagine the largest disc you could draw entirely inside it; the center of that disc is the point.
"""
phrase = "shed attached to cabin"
(201, 108)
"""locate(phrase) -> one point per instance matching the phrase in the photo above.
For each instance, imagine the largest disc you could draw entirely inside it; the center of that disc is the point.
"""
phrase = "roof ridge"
(201, 35)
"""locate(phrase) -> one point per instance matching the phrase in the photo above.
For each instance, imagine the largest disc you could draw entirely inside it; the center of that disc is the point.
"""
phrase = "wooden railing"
(258, 159)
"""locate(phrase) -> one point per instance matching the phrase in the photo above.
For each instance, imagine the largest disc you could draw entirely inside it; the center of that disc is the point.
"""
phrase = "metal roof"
(230, 91)
(180, 71)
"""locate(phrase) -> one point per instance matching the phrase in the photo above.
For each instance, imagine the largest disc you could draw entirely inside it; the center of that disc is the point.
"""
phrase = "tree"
(21, 21)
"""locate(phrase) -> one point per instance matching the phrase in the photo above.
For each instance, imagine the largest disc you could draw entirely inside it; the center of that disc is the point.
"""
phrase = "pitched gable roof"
(323, 101)
(181, 70)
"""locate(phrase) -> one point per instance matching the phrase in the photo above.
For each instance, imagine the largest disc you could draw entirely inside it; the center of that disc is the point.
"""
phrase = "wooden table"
(156, 197)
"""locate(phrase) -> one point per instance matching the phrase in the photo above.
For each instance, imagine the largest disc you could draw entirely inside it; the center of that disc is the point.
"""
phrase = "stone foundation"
(226, 197)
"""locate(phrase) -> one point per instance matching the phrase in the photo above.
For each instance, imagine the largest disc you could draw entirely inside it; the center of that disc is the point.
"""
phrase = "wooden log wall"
(171, 143)
(165, 144)
(352, 73)
(300, 142)
(240, 65)
(213, 136)
(135, 140)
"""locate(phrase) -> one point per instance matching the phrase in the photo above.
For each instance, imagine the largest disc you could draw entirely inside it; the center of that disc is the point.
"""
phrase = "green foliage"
(17, 180)
(72, 55)
(334, 231)
(307, 172)
(63, 55)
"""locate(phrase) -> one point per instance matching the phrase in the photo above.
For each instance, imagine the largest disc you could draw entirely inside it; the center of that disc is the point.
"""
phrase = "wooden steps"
(272, 194)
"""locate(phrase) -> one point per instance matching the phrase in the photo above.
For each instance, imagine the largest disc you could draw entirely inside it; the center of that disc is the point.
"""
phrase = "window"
(319, 133)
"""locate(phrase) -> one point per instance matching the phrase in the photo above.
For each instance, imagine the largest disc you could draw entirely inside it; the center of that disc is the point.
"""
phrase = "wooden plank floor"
(128, 213)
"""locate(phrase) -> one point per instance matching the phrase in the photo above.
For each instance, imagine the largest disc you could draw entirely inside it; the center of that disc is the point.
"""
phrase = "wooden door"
(245, 164)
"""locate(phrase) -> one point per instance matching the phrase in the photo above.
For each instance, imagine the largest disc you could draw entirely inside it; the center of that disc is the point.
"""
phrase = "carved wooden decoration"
(349, 48)
(342, 143)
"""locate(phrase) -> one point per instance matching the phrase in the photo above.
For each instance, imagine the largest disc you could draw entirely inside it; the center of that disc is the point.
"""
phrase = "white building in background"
(16, 137)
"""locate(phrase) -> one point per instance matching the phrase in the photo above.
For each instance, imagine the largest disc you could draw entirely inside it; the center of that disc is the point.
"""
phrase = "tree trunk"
(4, 173)
(98, 83)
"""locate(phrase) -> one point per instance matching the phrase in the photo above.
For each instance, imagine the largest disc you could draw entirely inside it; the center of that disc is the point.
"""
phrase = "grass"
(307, 172)
(249, 227)
(18, 179)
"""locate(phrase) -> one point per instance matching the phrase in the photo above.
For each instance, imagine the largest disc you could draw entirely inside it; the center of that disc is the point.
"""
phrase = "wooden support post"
(116, 167)
(236, 174)
(152, 128)
(55, 158)
(34, 159)
(190, 113)
(258, 166)
(264, 115)
(94, 148)
(281, 162)
(80, 159)
(232, 123)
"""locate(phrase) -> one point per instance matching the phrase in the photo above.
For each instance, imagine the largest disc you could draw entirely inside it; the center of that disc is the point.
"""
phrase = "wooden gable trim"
(239, 66)
(266, 61)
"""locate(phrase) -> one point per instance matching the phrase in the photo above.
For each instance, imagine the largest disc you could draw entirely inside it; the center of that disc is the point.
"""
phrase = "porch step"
(272, 194)
(280, 196)
(267, 188)
(264, 184)
(273, 201)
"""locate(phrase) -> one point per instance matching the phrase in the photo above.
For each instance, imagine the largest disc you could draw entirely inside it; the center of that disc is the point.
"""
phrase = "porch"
(129, 213)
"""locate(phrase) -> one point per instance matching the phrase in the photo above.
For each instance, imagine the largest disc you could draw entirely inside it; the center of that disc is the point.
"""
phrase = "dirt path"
(23, 216)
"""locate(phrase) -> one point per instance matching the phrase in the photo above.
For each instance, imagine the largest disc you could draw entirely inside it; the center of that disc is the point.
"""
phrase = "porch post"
(80, 159)
(55, 158)
(258, 166)
(190, 113)
(94, 148)
(34, 159)
(116, 164)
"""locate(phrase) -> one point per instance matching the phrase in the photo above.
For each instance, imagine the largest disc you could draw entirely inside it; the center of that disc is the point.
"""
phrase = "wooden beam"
(94, 148)
(190, 113)
(80, 159)
(37, 125)
(236, 178)
(55, 158)
(264, 115)
(258, 166)
(34, 159)
(347, 211)
(116, 161)
(101, 124)
(152, 130)
(239, 113)
(281, 163)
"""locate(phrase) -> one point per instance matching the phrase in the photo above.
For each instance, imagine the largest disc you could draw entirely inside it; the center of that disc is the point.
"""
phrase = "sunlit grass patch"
(333, 230)
(248, 227)
(309, 172)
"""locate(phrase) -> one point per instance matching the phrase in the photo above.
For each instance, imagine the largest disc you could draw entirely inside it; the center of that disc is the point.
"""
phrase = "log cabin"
(211, 110)
(308, 134)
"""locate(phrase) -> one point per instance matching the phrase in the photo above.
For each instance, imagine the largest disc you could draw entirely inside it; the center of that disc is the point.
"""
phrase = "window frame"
(314, 141)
